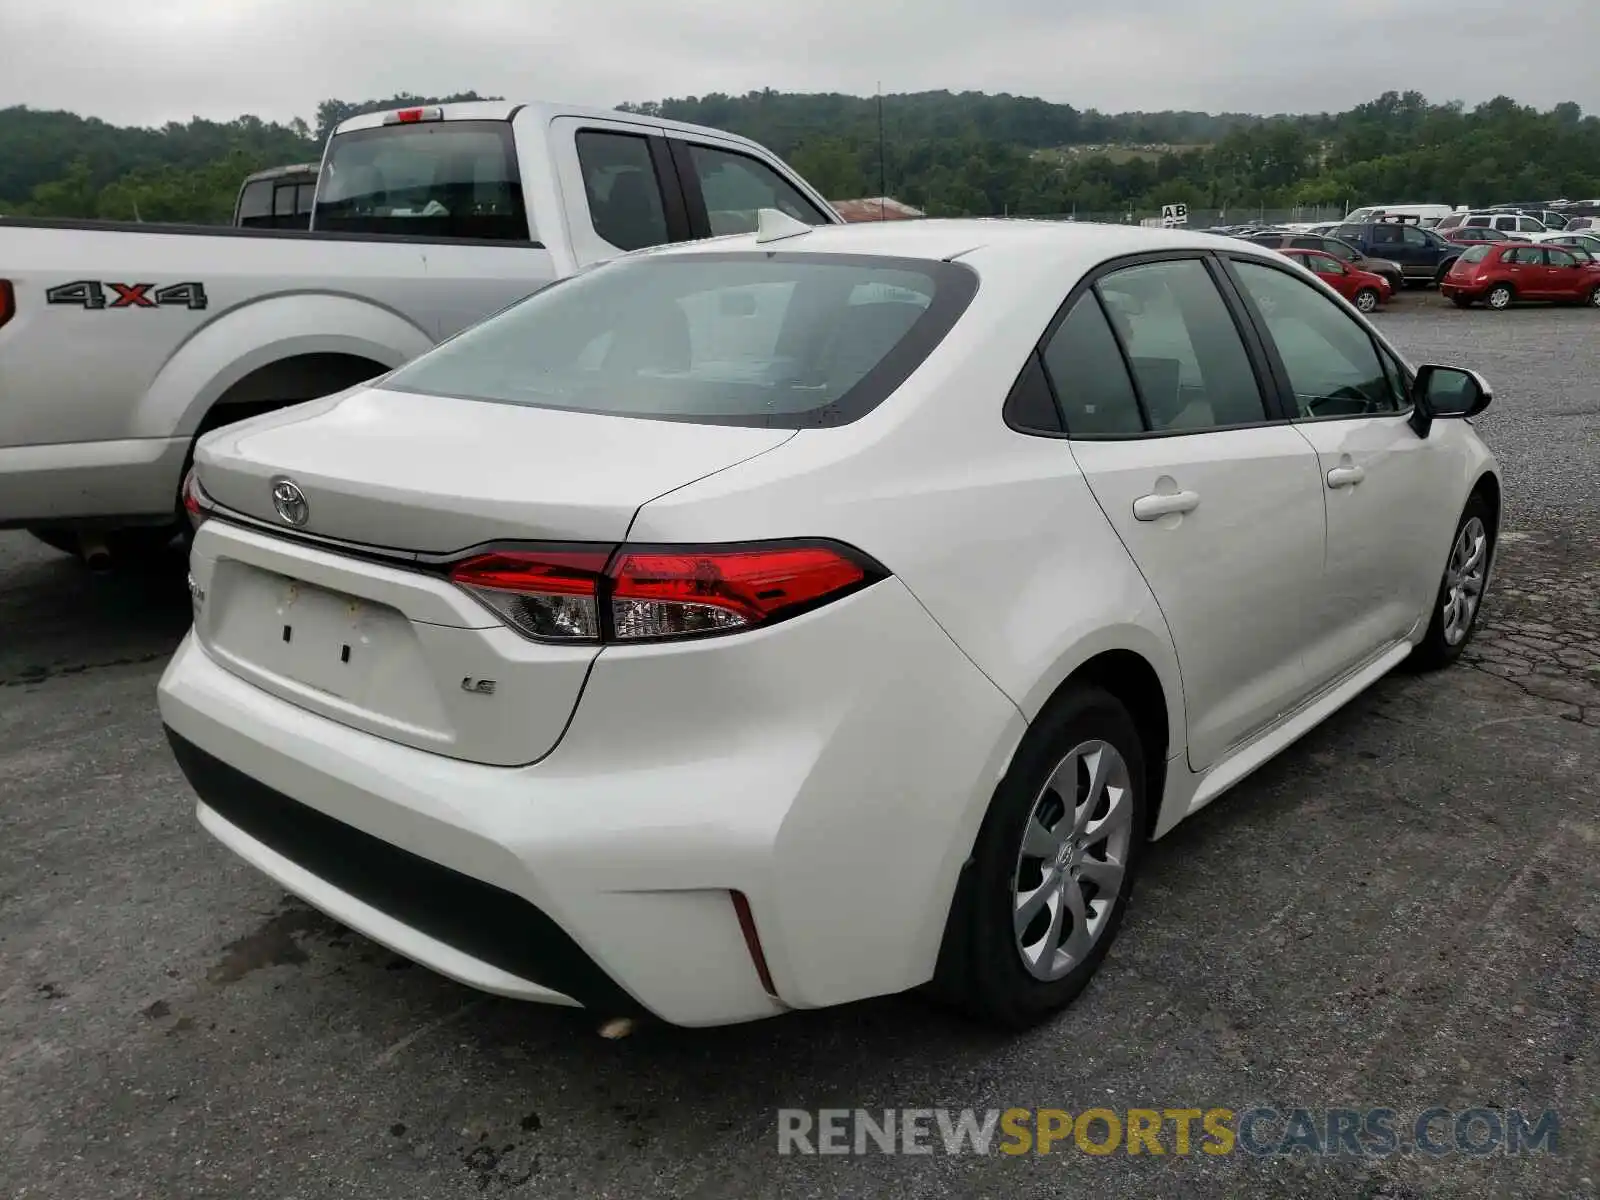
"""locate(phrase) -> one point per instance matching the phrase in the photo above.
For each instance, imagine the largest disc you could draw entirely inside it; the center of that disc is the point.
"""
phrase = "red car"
(1362, 288)
(1497, 275)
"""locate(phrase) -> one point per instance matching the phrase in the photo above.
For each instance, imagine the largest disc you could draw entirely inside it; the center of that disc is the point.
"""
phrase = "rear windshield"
(1476, 253)
(433, 179)
(787, 340)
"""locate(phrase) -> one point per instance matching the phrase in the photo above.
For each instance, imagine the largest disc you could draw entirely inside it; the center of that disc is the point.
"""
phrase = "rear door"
(620, 192)
(1217, 500)
(1524, 266)
(1377, 478)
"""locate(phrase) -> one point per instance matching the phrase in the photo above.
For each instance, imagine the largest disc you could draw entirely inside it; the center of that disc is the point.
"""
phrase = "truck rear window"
(433, 179)
(729, 338)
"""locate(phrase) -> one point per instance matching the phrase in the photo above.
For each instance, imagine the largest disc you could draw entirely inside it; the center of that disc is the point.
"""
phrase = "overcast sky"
(147, 63)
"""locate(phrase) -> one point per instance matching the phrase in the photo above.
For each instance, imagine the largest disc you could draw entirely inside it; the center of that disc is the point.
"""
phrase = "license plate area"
(305, 642)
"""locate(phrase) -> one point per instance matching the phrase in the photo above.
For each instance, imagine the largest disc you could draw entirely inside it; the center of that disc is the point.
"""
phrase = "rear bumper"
(832, 769)
(82, 481)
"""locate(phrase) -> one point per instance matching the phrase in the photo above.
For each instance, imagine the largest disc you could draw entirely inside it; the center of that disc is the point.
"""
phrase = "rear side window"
(1189, 364)
(432, 179)
(1089, 374)
(731, 338)
(624, 193)
(1476, 253)
(736, 186)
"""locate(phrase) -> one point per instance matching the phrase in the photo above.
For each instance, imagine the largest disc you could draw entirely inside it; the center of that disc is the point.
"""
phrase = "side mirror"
(1440, 393)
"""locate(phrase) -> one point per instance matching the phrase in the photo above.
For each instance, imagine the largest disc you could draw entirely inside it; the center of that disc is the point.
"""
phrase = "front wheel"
(1053, 865)
(1499, 296)
(1460, 595)
(1594, 298)
(1367, 300)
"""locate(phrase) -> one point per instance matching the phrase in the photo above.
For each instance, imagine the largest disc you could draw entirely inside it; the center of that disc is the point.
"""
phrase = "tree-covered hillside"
(948, 153)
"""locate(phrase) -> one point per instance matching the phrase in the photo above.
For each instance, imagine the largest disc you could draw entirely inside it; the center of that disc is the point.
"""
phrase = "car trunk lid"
(377, 637)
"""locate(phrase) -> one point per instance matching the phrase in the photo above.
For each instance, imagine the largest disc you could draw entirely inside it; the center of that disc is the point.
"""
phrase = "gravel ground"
(1402, 911)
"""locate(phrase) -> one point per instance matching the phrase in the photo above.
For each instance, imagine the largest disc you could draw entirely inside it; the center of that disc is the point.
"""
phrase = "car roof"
(984, 241)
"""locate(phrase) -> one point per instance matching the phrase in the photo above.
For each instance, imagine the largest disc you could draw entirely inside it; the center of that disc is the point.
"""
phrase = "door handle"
(1346, 476)
(1153, 507)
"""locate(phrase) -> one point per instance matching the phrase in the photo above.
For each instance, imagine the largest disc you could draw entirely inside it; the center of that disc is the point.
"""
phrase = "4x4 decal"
(91, 294)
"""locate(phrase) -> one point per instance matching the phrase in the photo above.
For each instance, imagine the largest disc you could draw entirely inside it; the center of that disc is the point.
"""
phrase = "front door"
(1217, 502)
(1377, 479)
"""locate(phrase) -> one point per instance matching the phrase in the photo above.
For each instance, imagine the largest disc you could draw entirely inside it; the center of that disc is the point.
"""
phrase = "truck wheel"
(1500, 296)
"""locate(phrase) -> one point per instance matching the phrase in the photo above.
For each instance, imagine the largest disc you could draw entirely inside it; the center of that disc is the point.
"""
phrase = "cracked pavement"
(1402, 910)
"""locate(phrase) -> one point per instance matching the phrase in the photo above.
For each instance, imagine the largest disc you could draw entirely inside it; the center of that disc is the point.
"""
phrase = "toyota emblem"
(290, 501)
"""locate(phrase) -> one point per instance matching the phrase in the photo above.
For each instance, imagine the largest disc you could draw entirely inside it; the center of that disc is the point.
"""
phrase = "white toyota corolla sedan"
(799, 616)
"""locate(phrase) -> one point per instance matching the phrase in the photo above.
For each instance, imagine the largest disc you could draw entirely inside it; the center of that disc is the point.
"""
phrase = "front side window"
(1331, 360)
(1477, 223)
(1189, 363)
(1343, 251)
(1525, 256)
(1414, 236)
(1089, 375)
(443, 179)
(735, 186)
(1323, 265)
(1529, 225)
(624, 194)
(739, 338)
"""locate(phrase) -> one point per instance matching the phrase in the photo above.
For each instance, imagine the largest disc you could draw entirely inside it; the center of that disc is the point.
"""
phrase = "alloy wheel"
(1500, 297)
(1073, 857)
(1463, 580)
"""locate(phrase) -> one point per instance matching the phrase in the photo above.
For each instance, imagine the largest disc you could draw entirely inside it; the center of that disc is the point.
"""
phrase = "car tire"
(1013, 977)
(1466, 575)
(1461, 301)
(1594, 298)
(1500, 297)
(1367, 300)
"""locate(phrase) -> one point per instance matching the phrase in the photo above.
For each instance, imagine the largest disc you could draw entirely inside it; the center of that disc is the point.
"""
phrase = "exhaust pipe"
(96, 554)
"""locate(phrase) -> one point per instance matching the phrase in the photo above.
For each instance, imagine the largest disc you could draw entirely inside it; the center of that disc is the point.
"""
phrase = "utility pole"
(883, 166)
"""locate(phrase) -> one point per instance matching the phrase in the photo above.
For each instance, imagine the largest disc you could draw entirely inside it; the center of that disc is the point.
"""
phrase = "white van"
(1426, 215)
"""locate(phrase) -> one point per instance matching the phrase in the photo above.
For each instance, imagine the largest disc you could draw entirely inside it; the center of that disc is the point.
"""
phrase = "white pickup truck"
(122, 343)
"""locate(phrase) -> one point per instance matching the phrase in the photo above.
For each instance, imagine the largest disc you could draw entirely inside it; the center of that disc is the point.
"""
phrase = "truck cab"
(277, 198)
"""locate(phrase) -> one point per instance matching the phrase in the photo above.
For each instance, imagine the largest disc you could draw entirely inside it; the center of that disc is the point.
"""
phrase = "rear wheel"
(1460, 596)
(1367, 299)
(1053, 865)
(1500, 296)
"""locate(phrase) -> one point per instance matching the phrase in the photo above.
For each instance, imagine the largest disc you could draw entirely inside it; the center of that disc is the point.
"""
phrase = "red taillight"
(195, 502)
(8, 301)
(549, 593)
(672, 592)
(646, 593)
